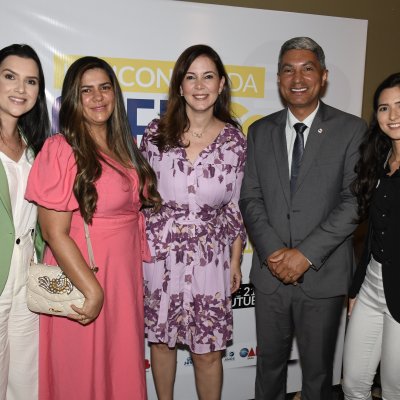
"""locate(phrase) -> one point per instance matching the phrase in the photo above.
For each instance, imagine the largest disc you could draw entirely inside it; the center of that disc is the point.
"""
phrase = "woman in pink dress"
(198, 153)
(93, 172)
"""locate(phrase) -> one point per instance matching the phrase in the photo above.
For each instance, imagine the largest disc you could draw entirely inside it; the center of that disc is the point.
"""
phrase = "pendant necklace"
(199, 133)
(14, 150)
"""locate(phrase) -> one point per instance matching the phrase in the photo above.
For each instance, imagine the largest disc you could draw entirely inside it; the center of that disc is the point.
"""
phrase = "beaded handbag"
(49, 290)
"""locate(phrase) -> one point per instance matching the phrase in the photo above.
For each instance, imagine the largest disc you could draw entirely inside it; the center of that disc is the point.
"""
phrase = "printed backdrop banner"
(141, 39)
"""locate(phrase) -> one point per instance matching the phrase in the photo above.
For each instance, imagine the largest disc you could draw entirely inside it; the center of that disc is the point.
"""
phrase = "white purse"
(49, 290)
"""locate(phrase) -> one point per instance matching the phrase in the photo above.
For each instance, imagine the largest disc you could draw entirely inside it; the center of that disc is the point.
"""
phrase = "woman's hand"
(56, 226)
(236, 275)
(90, 310)
(351, 306)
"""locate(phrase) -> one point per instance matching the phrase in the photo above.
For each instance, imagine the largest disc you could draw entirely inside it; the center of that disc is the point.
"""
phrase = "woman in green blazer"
(24, 124)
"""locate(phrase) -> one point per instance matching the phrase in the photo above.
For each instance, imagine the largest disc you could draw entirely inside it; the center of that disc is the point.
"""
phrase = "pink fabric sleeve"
(51, 180)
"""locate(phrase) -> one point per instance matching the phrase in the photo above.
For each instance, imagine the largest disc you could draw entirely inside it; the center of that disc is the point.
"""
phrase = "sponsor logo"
(247, 353)
(230, 356)
(244, 297)
(188, 362)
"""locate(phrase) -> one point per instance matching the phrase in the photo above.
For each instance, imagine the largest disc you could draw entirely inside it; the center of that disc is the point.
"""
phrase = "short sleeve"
(51, 180)
(147, 148)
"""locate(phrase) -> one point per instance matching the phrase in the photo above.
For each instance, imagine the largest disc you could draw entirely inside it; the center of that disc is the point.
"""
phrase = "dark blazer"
(390, 276)
(319, 218)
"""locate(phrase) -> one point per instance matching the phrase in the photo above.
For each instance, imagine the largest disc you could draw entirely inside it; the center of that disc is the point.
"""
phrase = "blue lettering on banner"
(133, 105)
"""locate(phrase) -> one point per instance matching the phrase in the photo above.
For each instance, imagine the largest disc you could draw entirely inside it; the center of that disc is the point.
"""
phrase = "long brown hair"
(119, 140)
(175, 120)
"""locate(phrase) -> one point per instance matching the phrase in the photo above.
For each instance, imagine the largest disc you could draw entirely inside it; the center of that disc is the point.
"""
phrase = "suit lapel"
(4, 192)
(314, 140)
(281, 156)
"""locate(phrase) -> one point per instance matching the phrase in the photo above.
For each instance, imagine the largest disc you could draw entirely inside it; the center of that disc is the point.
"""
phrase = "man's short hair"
(302, 43)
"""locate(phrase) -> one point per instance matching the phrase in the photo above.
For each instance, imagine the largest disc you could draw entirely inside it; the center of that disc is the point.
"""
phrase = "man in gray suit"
(300, 213)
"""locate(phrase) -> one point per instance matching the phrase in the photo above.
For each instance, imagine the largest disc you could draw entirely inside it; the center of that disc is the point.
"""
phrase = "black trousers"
(314, 322)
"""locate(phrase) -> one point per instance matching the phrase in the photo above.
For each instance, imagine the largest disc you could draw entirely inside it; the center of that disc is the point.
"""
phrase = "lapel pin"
(320, 130)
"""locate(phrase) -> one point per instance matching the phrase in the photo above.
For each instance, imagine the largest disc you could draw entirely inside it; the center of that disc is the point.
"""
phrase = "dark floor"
(338, 394)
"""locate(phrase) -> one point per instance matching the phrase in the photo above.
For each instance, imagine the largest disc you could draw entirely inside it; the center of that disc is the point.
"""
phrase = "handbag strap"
(92, 264)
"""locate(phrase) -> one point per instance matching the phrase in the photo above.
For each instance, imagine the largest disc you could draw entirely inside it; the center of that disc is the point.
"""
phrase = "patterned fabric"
(187, 284)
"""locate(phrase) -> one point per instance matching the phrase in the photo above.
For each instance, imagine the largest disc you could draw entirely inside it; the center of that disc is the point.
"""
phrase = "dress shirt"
(291, 132)
(385, 217)
(291, 137)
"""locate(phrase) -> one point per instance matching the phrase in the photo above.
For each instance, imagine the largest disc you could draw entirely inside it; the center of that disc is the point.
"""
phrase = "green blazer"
(7, 231)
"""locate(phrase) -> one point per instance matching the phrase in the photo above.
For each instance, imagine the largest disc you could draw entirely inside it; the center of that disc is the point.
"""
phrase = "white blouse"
(24, 213)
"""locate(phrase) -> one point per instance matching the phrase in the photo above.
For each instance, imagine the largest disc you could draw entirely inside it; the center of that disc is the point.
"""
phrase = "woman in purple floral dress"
(198, 153)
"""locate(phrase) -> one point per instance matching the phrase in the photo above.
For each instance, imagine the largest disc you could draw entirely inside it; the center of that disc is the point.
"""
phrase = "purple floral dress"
(187, 284)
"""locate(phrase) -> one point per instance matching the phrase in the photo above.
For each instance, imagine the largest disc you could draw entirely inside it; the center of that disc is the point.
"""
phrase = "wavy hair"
(174, 122)
(35, 124)
(373, 153)
(119, 140)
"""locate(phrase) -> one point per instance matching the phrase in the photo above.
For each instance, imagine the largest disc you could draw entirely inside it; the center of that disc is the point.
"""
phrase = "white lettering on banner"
(121, 75)
(144, 77)
(142, 72)
(239, 86)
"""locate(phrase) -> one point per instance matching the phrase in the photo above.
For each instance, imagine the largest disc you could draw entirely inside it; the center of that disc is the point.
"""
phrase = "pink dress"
(103, 360)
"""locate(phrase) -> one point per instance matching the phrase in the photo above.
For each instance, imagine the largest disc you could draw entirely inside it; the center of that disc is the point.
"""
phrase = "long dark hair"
(34, 124)
(373, 153)
(175, 120)
(119, 139)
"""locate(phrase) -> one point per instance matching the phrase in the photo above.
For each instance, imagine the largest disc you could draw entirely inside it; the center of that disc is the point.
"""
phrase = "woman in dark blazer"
(374, 328)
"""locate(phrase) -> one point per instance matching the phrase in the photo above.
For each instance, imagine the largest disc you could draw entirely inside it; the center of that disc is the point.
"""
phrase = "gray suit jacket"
(319, 218)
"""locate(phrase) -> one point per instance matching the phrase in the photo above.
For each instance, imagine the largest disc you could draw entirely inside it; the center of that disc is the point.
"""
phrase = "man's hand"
(274, 259)
(288, 265)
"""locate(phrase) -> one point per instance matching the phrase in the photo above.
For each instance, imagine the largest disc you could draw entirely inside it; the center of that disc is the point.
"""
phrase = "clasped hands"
(288, 265)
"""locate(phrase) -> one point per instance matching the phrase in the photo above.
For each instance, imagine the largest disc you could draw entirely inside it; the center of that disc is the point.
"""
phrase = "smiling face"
(301, 79)
(388, 112)
(201, 86)
(19, 86)
(98, 98)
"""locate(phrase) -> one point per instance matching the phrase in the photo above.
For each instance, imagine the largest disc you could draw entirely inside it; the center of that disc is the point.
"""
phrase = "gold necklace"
(16, 150)
(199, 134)
(196, 134)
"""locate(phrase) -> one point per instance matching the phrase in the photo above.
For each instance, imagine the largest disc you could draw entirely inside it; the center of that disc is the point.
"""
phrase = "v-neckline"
(194, 162)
